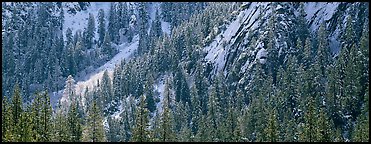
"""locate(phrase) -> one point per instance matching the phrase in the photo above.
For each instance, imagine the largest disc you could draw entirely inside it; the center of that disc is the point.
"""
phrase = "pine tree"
(308, 131)
(143, 27)
(60, 125)
(26, 125)
(7, 120)
(74, 122)
(156, 31)
(272, 129)
(113, 134)
(116, 86)
(349, 36)
(101, 27)
(213, 115)
(353, 76)
(125, 122)
(69, 90)
(289, 134)
(361, 130)
(107, 50)
(303, 31)
(17, 110)
(307, 56)
(90, 31)
(230, 127)
(94, 131)
(140, 131)
(202, 130)
(45, 115)
(106, 90)
(323, 52)
(184, 111)
(196, 110)
(112, 23)
(364, 48)
(324, 131)
(166, 126)
(148, 90)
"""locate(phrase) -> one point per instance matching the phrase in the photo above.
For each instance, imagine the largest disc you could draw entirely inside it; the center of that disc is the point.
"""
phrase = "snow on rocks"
(262, 55)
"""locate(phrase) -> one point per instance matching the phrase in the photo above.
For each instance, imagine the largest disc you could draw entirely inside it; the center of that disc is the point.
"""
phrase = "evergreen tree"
(349, 36)
(308, 131)
(90, 31)
(112, 28)
(113, 134)
(107, 50)
(213, 115)
(140, 131)
(181, 86)
(324, 124)
(289, 134)
(26, 126)
(303, 31)
(307, 56)
(69, 90)
(272, 129)
(185, 132)
(143, 27)
(46, 118)
(94, 131)
(7, 120)
(106, 90)
(101, 27)
(166, 126)
(156, 31)
(364, 56)
(74, 122)
(17, 110)
(148, 90)
(323, 52)
(116, 86)
(60, 125)
(352, 82)
(361, 130)
(196, 110)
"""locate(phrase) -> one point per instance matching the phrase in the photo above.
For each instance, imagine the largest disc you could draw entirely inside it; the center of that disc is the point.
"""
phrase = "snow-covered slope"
(232, 47)
(79, 20)
(126, 50)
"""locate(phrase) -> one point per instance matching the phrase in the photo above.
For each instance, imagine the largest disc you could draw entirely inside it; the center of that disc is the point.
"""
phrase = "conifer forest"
(185, 72)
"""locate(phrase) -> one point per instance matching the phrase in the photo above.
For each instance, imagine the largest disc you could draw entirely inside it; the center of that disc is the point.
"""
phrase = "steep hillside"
(235, 48)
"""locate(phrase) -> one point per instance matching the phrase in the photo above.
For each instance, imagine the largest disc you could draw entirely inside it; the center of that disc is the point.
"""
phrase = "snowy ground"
(125, 52)
(79, 20)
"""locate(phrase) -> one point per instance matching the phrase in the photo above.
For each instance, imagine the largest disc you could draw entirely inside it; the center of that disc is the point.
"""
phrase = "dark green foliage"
(140, 131)
(302, 93)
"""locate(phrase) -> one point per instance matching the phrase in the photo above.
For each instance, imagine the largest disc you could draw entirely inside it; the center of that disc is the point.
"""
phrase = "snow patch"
(79, 21)
(90, 80)
(165, 27)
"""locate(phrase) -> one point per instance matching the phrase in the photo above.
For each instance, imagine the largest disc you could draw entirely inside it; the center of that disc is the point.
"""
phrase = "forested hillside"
(185, 71)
